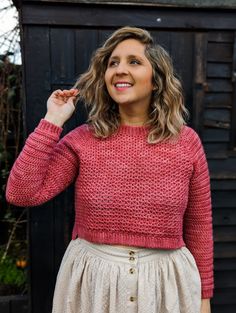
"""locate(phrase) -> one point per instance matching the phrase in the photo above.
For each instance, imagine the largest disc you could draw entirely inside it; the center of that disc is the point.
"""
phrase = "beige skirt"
(95, 278)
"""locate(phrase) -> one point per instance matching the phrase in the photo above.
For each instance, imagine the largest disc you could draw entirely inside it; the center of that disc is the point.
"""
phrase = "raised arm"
(46, 165)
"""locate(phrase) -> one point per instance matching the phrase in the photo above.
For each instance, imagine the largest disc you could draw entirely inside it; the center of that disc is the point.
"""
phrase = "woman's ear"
(155, 88)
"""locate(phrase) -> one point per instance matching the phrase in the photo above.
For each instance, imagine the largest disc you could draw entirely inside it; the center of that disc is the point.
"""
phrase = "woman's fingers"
(71, 92)
(66, 93)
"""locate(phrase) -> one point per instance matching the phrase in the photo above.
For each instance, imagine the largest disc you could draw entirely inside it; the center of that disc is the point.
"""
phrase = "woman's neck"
(133, 121)
(133, 118)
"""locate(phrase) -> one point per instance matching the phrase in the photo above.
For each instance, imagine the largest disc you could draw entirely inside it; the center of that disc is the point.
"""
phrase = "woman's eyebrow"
(114, 57)
(130, 56)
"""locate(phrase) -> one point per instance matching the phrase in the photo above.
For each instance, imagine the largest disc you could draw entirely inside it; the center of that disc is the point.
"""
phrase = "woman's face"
(128, 76)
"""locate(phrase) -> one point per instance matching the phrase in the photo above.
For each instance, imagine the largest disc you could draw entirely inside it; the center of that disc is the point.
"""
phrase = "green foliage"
(10, 274)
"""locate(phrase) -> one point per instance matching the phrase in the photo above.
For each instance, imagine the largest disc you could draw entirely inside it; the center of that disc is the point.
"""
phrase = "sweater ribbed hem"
(133, 240)
(127, 239)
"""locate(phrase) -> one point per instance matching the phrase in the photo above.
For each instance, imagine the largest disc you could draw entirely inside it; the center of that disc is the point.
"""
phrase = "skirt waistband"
(120, 254)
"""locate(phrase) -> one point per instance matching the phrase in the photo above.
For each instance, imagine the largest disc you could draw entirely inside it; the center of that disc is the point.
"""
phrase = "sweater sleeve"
(45, 167)
(198, 233)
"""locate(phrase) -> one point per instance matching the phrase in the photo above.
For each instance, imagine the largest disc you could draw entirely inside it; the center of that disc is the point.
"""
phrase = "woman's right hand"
(60, 106)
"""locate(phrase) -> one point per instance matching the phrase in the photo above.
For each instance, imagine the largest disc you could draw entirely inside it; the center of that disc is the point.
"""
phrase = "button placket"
(132, 296)
(133, 262)
(132, 258)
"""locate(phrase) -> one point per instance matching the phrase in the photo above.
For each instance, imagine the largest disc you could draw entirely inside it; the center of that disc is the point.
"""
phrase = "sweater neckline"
(133, 129)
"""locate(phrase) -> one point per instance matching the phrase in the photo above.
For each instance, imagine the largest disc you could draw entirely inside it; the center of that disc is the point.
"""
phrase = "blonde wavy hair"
(166, 111)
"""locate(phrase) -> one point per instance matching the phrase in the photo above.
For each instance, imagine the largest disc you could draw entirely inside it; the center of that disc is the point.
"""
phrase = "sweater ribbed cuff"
(207, 294)
(49, 127)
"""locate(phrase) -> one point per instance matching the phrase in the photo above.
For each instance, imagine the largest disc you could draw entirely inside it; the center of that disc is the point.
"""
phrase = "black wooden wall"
(57, 42)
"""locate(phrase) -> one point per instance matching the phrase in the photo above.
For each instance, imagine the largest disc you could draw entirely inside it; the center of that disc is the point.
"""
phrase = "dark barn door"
(58, 43)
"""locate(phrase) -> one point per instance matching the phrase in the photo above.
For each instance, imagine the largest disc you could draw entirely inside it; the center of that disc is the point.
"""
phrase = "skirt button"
(132, 270)
(132, 299)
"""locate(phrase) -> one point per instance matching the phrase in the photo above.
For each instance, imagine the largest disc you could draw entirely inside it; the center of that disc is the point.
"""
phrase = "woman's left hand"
(205, 306)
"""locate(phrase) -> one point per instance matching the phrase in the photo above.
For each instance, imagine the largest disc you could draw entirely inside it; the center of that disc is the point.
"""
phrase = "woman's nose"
(121, 68)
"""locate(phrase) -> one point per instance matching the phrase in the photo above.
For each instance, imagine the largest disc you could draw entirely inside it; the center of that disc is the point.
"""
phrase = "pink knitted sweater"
(126, 191)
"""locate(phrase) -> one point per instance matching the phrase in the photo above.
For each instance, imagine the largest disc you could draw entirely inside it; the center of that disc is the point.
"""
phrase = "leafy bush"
(12, 277)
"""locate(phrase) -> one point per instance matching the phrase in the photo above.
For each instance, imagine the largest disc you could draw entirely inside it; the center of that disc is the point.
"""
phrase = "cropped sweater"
(127, 191)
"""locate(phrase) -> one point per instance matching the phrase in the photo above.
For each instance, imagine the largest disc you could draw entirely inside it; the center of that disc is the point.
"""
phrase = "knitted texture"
(126, 191)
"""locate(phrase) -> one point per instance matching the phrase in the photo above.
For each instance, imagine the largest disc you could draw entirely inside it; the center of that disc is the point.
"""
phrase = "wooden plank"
(163, 38)
(5, 307)
(63, 219)
(226, 308)
(86, 41)
(199, 72)
(224, 264)
(219, 85)
(225, 250)
(62, 48)
(182, 61)
(224, 176)
(225, 233)
(182, 58)
(103, 35)
(219, 115)
(36, 47)
(224, 296)
(214, 120)
(233, 128)
(215, 135)
(230, 4)
(221, 100)
(223, 217)
(19, 304)
(219, 52)
(218, 183)
(220, 36)
(116, 16)
(41, 252)
(216, 150)
(219, 70)
(227, 165)
(225, 279)
(210, 123)
(69, 214)
(224, 199)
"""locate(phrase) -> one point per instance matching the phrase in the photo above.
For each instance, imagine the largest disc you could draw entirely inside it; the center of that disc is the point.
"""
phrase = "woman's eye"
(134, 62)
(113, 63)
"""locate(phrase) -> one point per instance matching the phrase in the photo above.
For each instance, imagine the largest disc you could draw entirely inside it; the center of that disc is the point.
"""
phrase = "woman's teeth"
(122, 85)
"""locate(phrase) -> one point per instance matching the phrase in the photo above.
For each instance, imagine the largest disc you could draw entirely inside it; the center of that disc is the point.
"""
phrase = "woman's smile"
(121, 86)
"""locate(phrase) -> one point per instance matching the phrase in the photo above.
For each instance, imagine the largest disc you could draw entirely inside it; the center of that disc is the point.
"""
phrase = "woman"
(142, 237)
